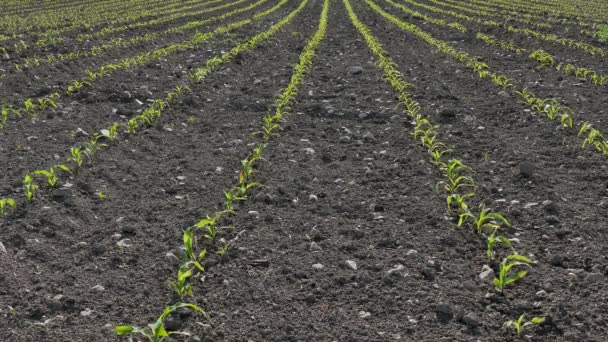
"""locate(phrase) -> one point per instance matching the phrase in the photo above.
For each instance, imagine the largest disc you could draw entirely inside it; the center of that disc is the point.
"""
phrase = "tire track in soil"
(364, 167)
(567, 243)
(108, 101)
(69, 248)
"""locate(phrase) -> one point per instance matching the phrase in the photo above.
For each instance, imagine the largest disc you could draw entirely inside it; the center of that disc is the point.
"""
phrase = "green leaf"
(122, 330)
(205, 222)
(520, 258)
(499, 217)
(515, 277)
(64, 168)
(537, 320)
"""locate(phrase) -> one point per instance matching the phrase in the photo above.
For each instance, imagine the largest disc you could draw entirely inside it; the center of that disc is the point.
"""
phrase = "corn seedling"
(51, 176)
(493, 239)
(521, 323)
(526, 97)
(156, 332)
(29, 106)
(101, 195)
(502, 81)
(506, 276)
(190, 257)
(29, 187)
(566, 120)
(229, 202)
(76, 156)
(552, 110)
(458, 202)
(269, 127)
(456, 180)
(485, 220)
(180, 285)
(6, 203)
(210, 225)
(542, 57)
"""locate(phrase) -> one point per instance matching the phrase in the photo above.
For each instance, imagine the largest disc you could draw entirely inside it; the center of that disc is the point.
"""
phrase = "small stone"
(86, 312)
(551, 207)
(398, 268)
(556, 260)
(313, 198)
(98, 288)
(458, 313)
(363, 277)
(351, 264)
(445, 310)
(364, 314)
(447, 113)
(355, 70)
(124, 243)
(487, 273)
(541, 294)
(261, 263)
(318, 266)
(315, 247)
(552, 219)
(309, 151)
(428, 273)
(253, 213)
(504, 94)
(570, 337)
(526, 169)
(594, 278)
(471, 320)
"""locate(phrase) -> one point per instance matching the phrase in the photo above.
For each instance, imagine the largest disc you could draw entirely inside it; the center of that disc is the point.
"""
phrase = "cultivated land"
(316, 170)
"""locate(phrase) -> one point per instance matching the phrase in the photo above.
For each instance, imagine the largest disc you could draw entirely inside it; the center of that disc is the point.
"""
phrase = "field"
(303, 170)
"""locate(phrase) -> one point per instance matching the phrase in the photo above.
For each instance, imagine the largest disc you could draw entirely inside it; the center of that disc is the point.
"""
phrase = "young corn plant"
(210, 225)
(485, 220)
(29, 187)
(51, 176)
(542, 57)
(156, 332)
(492, 240)
(566, 120)
(5, 204)
(457, 202)
(507, 275)
(76, 156)
(181, 286)
(521, 323)
(526, 97)
(190, 257)
(453, 172)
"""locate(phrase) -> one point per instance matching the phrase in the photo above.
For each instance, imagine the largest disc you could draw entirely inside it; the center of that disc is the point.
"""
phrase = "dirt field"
(318, 152)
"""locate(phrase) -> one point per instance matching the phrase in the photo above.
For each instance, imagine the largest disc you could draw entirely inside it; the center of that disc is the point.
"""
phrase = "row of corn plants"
(545, 59)
(35, 61)
(479, 11)
(207, 230)
(165, 19)
(86, 151)
(46, 29)
(589, 11)
(551, 38)
(31, 107)
(544, 21)
(547, 107)
(53, 36)
(458, 182)
(540, 56)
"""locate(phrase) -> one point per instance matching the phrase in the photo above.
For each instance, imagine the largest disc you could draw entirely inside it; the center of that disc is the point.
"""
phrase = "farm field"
(303, 170)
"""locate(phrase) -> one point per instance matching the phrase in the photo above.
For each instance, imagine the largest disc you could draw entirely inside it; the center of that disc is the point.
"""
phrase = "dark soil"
(349, 239)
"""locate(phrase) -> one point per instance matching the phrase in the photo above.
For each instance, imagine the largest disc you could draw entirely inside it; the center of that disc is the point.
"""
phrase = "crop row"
(567, 42)
(547, 60)
(31, 107)
(48, 24)
(509, 14)
(547, 107)
(207, 227)
(51, 38)
(540, 56)
(147, 118)
(33, 62)
(587, 10)
(458, 181)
